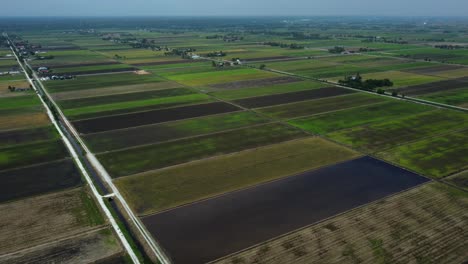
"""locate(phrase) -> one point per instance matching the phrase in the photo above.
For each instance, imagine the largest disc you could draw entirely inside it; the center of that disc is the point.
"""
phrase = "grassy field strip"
(23, 121)
(383, 135)
(436, 156)
(361, 115)
(129, 161)
(402, 227)
(113, 90)
(306, 108)
(459, 179)
(163, 132)
(206, 178)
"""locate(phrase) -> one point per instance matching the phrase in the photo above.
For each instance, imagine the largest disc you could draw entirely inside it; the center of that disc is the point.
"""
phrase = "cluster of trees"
(226, 38)
(216, 54)
(356, 81)
(283, 45)
(385, 40)
(183, 52)
(336, 49)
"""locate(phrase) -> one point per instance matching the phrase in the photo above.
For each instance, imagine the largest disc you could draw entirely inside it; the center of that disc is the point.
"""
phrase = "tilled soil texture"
(256, 83)
(276, 99)
(38, 179)
(217, 227)
(151, 117)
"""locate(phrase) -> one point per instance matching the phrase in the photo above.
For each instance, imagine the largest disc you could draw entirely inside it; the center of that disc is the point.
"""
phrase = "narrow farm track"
(72, 149)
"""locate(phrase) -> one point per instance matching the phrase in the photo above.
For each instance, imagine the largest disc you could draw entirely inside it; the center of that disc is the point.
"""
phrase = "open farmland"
(257, 214)
(231, 140)
(130, 161)
(318, 106)
(151, 117)
(426, 224)
(175, 186)
(387, 134)
(117, 139)
(269, 100)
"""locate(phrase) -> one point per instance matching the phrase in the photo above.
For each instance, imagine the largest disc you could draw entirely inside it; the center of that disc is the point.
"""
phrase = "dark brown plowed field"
(276, 99)
(151, 117)
(39, 179)
(434, 69)
(94, 71)
(207, 230)
(155, 63)
(435, 87)
(256, 83)
(23, 136)
(59, 66)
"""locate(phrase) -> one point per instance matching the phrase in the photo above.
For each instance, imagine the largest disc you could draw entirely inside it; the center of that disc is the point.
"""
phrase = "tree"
(380, 91)
(262, 66)
(213, 63)
(394, 93)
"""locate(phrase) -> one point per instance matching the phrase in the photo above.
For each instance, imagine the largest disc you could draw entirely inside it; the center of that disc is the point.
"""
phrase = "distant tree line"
(283, 45)
(337, 50)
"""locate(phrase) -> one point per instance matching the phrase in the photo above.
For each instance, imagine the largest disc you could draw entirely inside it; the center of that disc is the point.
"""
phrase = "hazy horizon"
(110, 8)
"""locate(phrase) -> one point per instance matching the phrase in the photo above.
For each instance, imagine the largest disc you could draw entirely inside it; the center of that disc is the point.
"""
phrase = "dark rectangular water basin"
(210, 229)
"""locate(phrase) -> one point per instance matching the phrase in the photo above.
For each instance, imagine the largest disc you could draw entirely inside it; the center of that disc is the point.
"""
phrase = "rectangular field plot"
(402, 79)
(99, 81)
(23, 120)
(269, 100)
(98, 246)
(318, 106)
(37, 220)
(38, 179)
(441, 86)
(133, 102)
(28, 154)
(217, 227)
(114, 90)
(267, 90)
(13, 137)
(151, 117)
(256, 83)
(214, 77)
(384, 135)
(457, 97)
(131, 137)
(436, 157)
(329, 122)
(150, 157)
(156, 191)
(426, 223)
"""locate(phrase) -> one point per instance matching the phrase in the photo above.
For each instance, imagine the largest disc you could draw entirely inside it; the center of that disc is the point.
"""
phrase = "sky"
(234, 7)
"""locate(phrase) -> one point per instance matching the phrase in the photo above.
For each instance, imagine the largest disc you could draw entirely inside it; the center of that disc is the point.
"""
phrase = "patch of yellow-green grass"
(212, 77)
(155, 191)
(459, 179)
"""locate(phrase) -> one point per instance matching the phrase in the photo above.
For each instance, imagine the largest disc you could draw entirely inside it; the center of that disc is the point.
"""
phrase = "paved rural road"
(73, 142)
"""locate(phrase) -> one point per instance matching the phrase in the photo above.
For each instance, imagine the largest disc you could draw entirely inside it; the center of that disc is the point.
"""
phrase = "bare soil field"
(428, 224)
(150, 117)
(38, 179)
(276, 99)
(231, 222)
(37, 220)
(256, 83)
(20, 121)
(114, 90)
(87, 248)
